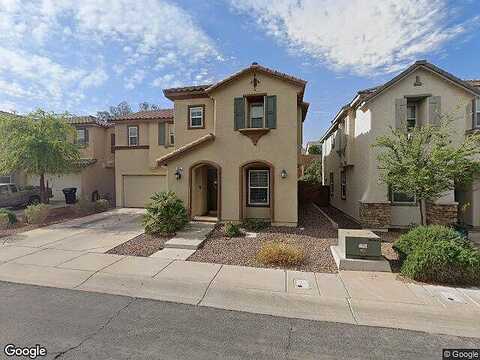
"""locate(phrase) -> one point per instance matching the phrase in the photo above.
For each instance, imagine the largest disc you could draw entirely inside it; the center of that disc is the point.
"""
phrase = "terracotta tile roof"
(162, 114)
(87, 120)
(260, 68)
(185, 148)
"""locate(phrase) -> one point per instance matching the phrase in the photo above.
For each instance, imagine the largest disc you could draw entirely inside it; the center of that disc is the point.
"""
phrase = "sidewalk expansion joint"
(96, 272)
(210, 283)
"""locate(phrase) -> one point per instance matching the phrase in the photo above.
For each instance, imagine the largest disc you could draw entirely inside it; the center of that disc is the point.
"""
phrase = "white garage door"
(58, 183)
(138, 189)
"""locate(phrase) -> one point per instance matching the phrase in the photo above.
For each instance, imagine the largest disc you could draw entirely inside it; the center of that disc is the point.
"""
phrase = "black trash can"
(70, 195)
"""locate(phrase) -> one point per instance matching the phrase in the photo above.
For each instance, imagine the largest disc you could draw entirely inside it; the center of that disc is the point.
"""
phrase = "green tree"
(313, 172)
(314, 150)
(426, 162)
(39, 143)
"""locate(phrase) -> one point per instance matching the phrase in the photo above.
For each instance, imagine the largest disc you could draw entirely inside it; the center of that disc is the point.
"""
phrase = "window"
(5, 179)
(132, 135)
(112, 143)
(402, 198)
(172, 136)
(411, 116)
(343, 184)
(331, 185)
(195, 117)
(256, 115)
(258, 187)
(82, 137)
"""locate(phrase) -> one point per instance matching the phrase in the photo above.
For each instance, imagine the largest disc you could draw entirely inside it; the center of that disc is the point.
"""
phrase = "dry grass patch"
(280, 254)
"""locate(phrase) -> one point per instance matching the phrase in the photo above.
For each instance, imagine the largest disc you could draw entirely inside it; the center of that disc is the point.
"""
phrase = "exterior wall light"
(178, 173)
(283, 174)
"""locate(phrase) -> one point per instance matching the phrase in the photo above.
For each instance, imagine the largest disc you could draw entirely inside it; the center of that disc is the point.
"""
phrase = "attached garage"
(58, 183)
(139, 188)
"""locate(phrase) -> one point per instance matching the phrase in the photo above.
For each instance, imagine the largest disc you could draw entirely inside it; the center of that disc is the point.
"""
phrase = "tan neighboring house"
(96, 175)
(229, 150)
(419, 95)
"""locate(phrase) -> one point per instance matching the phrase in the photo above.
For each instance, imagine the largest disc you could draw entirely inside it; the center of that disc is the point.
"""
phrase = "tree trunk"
(423, 212)
(43, 193)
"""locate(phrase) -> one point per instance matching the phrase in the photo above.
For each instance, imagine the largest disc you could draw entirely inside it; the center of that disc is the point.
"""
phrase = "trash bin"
(70, 195)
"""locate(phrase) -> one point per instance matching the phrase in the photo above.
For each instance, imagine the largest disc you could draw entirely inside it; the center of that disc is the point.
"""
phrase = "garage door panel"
(138, 189)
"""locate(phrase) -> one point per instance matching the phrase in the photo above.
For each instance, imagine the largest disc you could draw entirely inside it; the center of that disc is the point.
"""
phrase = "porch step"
(190, 238)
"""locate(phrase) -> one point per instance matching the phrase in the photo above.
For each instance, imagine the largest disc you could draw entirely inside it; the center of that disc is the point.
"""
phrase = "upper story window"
(132, 135)
(172, 136)
(112, 143)
(343, 184)
(402, 198)
(196, 116)
(411, 116)
(255, 111)
(82, 136)
(256, 115)
(332, 185)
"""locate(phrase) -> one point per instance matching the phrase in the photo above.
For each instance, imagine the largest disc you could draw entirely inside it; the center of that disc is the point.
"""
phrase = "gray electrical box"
(359, 244)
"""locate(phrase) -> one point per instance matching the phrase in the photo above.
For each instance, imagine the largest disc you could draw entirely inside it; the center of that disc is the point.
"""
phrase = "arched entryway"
(256, 191)
(205, 191)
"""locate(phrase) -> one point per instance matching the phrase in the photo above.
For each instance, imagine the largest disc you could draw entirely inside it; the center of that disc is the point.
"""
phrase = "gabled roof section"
(186, 92)
(261, 69)
(370, 94)
(185, 149)
(162, 114)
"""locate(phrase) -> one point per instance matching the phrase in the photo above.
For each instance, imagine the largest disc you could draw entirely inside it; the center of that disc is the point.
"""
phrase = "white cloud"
(359, 36)
(51, 47)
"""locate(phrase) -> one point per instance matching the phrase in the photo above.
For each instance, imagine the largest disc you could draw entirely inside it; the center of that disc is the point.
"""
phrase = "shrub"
(313, 173)
(102, 205)
(255, 224)
(438, 254)
(165, 214)
(84, 206)
(281, 254)
(36, 214)
(4, 221)
(232, 230)
(12, 218)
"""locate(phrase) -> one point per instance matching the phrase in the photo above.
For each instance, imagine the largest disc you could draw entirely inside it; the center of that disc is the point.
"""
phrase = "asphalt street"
(81, 325)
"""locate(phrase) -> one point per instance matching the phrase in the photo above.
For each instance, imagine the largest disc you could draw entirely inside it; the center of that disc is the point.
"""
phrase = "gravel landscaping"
(55, 215)
(142, 245)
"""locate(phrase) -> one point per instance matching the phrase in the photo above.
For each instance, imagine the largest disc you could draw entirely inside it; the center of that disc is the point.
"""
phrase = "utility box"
(359, 244)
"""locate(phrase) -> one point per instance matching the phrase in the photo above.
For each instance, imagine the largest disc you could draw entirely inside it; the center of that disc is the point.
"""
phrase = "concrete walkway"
(70, 255)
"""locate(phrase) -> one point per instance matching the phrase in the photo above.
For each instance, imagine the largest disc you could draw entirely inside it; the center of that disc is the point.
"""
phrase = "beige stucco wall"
(363, 183)
(230, 149)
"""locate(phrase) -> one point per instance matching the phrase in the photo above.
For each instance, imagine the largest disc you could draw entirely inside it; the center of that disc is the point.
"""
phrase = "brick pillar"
(442, 214)
(375, 215)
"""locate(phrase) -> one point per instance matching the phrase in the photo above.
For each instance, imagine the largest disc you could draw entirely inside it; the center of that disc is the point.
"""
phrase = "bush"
(102, 205)
(4, 221)
(36, 214)
(313, 173)
(84, 206)
(165, 214)
(438, 254)
(12, 218)
(255, 224)
(232, 230)
(281, 254)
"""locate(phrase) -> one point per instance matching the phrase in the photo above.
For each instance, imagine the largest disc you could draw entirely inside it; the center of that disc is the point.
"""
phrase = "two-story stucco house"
(96, 175)
(421, 94)
(229, 150)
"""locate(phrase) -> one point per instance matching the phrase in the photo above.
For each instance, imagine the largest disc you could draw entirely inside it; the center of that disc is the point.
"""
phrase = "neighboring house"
(96, 171)
(419, 95)
(229, 150)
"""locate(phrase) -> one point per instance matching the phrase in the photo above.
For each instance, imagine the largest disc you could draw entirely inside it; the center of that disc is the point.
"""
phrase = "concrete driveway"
(94, 233)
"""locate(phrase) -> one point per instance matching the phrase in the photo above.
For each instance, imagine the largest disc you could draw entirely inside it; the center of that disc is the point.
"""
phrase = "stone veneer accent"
(442, 214)
(375, 215)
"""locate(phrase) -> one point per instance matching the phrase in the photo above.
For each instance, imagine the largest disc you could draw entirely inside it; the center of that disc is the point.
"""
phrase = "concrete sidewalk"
(375, 299)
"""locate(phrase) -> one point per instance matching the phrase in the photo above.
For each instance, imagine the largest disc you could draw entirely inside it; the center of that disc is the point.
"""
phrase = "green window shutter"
(161, 133)
(434, 110)
(271, 111)
(400, 113)
(239, 113)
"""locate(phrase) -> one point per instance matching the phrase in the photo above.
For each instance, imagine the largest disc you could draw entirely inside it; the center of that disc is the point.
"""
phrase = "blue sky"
(83, 56)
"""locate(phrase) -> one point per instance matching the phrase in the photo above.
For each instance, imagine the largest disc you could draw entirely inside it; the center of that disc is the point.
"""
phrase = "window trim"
(255, 204)
(404, 203)
(189, 118)
(343, 184)
(128, 135)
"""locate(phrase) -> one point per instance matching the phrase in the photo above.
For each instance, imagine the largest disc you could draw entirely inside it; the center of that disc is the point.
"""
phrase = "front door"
(212, 190)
